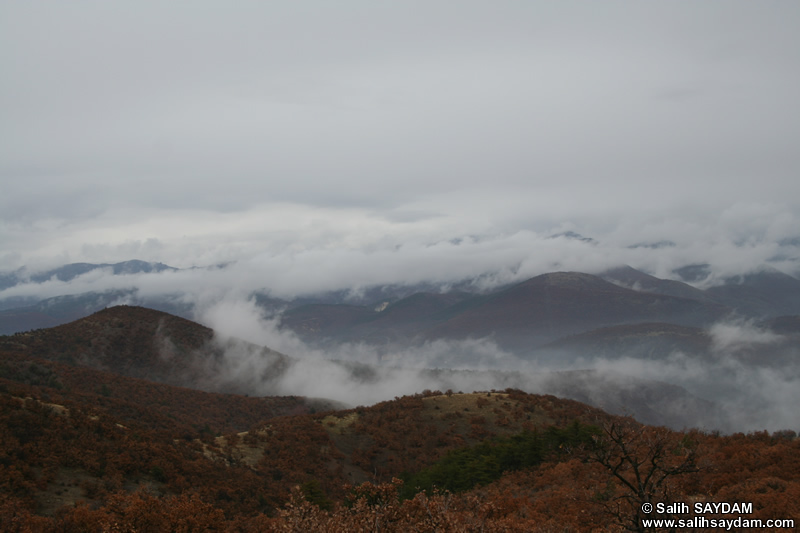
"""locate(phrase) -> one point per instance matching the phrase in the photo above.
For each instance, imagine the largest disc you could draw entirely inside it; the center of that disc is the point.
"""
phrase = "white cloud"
(749, 395)
(730, 337)
(227, 133)
(323, 147)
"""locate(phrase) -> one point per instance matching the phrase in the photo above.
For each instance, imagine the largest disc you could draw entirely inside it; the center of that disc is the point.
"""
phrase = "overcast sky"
(376, 141)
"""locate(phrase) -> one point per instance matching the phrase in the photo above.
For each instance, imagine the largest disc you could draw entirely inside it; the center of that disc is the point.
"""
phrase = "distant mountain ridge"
(73, 270)
(531, 313)
(145, 344)
(528, 314)
(648, 340)
(764, 294)
(553, 305)
(630, 278)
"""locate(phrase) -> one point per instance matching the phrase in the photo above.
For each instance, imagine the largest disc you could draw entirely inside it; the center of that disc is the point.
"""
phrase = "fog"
(751, 375)
(722, 391)
(386, 254)
(751, 391)
(323, 147)
(320, 138)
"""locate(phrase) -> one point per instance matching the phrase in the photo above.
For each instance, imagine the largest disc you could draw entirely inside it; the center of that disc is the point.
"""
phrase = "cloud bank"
(745, 395)
(280, 134)
(410, 253)
(314, 147)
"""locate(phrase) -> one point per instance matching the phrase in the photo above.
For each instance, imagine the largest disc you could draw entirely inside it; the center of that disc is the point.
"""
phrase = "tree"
(645, 463)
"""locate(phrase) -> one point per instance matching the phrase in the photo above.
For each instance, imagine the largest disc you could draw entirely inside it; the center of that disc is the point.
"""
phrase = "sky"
(322, 145)
(329, 144)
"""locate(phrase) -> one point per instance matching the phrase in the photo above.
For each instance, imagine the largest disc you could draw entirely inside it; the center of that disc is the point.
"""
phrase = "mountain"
(86, 446)
(695, 273)
(58, 310)
(62, 309)
(73, 270)
(379, 323)
(630, 278)
(148, 344)
(23, 313)
(321, 321)
(519, 318)
(142, 343)
(653, 245)
(655, 403)
(649, 340)
(573, 236)
(554, 305)
(495, 460)
(784, 325)
(764, 294)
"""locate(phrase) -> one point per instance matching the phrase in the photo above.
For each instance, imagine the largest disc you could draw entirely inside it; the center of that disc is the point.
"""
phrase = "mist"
(722, 390)
(279, 151)
(750, 392)
(345, 256)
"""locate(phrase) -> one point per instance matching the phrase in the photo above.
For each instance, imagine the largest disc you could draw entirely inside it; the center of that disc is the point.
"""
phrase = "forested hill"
(73, 460)
(85, 445)
(141, 343)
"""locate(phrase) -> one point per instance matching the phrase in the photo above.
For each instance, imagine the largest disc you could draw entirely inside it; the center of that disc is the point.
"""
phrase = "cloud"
(750, 373)
(730, 337)
(231, 133)
(338, 372)
(321, 148)
(747, 395)
(328, 250)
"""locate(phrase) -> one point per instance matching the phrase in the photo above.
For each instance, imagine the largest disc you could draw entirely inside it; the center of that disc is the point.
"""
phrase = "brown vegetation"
(86, 450)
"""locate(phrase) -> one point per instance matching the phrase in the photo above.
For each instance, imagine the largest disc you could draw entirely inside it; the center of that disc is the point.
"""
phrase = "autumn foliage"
(86, 450)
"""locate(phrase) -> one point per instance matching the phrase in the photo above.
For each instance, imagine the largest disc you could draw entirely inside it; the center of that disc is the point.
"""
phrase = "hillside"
(144, 343)
(631, 278)
(147, 344)
(550, 306)
(59, 310)
(518, 318)
(85, 447)
(646, 340)
(385, 322)
(69, 464)
(763, 294)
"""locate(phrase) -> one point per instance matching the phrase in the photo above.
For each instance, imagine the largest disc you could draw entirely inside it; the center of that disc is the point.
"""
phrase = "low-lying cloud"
(753, 392)
(725, 392)
(342, 255)
(736, 335)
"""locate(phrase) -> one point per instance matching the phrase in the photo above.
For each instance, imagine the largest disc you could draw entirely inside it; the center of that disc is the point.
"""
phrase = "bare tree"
(644, 462)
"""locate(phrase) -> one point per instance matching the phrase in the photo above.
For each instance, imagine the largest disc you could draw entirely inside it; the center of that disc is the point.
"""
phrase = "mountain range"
(520, 316)
(532, 314)
(141, 343)
(120, 420)
(621, 339)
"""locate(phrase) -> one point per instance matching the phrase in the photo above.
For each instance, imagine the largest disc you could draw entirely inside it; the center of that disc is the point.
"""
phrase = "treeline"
(464, 469)
(134, 457)
(576, 488)
(132, 400)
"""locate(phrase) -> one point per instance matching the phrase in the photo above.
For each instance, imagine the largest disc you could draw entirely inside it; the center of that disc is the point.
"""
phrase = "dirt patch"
(339, 424)
(67, 488)
(494, 411)
(469, 404)
(461, 400)
(238, 451)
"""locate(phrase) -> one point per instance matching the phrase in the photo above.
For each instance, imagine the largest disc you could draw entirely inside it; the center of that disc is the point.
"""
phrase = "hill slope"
(144, 343)
(550, 306)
